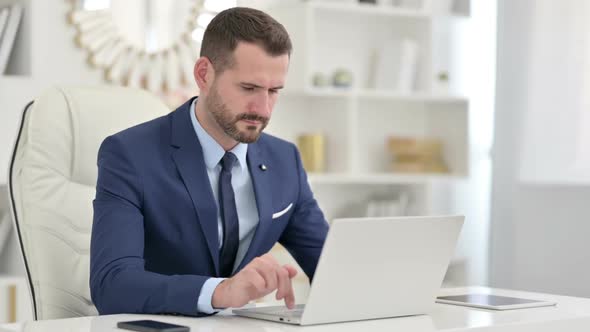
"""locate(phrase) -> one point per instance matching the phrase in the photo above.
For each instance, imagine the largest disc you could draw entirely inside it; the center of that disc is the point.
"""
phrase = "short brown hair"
(242, 24)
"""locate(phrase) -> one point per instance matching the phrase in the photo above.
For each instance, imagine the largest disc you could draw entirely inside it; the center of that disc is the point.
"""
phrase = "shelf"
(410, 97)
(330, 92)
(380, 178)
(356, 121)
(370, 9)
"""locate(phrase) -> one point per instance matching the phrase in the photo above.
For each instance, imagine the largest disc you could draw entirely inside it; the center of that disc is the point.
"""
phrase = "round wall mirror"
(144, 43)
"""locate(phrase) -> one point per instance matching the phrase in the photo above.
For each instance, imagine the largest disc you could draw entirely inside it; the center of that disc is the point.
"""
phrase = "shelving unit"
(17, 87)
(357, 120)
(19, 63)
(16, 84)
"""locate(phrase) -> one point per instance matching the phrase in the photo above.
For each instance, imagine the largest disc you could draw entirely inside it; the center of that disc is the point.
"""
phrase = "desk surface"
(571, 314)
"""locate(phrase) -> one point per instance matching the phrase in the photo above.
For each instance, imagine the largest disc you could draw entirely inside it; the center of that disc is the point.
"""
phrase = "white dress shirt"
(244, 196)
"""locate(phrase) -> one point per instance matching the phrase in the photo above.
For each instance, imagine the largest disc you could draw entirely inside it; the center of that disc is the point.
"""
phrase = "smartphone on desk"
(151, 326)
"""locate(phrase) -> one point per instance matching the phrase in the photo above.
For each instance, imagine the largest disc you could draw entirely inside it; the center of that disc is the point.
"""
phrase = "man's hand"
(257, 279)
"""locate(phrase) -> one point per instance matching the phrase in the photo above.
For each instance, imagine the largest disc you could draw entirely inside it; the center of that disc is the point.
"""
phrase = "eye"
(273, 91)
(247, 88)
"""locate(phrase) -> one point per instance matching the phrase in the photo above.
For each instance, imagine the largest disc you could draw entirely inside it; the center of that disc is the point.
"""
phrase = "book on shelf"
(407, 66)
(414, 155)
(3, 20)
(8, 32)
(5, 227)
(388, 206)
(393, 66)
(382, 67)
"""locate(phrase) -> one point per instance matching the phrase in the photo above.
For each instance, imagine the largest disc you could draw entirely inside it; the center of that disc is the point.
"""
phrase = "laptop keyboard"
(282, 311)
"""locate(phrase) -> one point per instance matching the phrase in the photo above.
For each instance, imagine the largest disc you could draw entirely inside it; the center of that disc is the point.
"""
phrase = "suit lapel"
(263, 193)
(188, 157)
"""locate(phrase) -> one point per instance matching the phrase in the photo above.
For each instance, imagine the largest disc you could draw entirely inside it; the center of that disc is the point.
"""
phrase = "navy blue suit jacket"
(154, 236)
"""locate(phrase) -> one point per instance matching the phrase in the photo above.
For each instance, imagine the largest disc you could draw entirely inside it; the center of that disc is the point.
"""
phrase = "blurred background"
(399, 107)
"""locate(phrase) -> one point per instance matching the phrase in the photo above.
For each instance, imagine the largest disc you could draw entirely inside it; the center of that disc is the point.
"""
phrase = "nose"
(262, 104)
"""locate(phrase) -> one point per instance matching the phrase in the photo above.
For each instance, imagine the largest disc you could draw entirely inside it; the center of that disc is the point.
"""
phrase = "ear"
(204, 74)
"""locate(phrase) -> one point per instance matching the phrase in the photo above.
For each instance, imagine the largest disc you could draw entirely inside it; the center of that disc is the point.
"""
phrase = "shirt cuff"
(204, 304)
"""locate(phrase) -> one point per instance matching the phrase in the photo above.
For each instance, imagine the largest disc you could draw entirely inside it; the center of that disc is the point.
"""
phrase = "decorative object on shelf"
(413, 155)
(443, 77)
(371, 82)
(388, 207)
(393, 66)
(9, 21)
(10, 300)
(382, 67)
(147, 44)
(311, 148)
(320, 80)
(407, 66)
(441, 83)
(12, 304)
(342, 78)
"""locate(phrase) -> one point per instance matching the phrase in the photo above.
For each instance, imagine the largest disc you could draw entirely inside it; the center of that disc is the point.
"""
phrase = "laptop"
(374, 268)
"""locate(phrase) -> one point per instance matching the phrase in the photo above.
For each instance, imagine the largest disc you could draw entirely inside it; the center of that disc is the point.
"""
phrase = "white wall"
(556, 125)
(539, 237)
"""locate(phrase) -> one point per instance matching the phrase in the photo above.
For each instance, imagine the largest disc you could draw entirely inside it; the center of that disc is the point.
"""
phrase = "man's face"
(241, 98)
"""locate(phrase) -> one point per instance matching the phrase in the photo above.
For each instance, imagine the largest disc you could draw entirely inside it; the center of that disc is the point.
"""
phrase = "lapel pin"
(263, 167)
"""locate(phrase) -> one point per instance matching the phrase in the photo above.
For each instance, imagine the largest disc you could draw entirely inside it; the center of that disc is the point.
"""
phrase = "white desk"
(571, 315)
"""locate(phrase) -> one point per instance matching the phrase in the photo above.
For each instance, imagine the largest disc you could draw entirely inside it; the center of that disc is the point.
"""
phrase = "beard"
(229, 124)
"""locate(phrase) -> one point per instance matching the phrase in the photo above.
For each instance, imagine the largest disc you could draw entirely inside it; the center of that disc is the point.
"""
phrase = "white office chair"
(52, 184)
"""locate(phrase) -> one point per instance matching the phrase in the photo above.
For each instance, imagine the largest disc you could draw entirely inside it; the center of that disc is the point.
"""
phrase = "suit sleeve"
(118, 281)
(306, 232)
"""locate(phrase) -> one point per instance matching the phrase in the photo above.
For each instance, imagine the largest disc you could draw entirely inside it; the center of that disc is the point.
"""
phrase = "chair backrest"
(52, 184)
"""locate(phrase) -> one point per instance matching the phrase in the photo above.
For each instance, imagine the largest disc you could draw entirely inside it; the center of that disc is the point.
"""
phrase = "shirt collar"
(212, 151)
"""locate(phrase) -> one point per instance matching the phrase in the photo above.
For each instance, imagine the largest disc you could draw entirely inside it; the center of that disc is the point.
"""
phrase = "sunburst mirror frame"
(123, 63)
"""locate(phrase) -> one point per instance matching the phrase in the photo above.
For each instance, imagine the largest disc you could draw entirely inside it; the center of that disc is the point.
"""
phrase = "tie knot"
(228, 161)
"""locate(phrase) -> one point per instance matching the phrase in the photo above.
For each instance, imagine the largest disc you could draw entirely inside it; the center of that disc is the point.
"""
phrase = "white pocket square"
(280, 213)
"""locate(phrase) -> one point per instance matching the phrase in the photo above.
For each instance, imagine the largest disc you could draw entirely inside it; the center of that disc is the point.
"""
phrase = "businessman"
(188, 205)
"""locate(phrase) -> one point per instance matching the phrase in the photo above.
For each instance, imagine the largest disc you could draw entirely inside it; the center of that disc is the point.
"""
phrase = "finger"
(269, 275)
(290, 299)
(256, 284)
(284, 283)
(261, 265)
(290, 295)
(270, 259)
(270, 262)
(291, 269)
